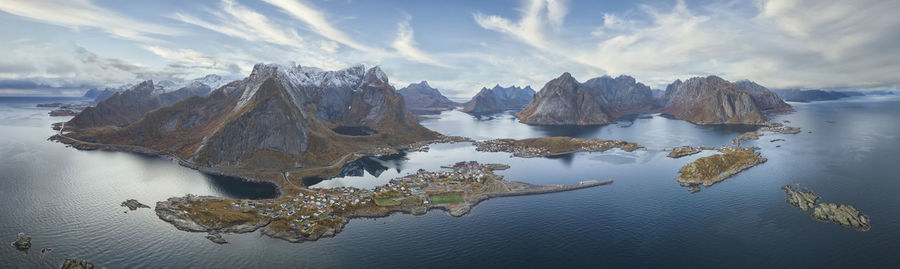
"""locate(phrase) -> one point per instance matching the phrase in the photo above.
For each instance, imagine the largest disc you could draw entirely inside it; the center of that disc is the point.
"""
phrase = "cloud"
(405, 44)
(319, 24)
(529, 28)
(78, 14)
(782, 43)
(238, 21)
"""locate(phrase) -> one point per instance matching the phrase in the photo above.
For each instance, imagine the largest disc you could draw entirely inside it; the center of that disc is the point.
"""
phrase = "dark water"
(68, 200)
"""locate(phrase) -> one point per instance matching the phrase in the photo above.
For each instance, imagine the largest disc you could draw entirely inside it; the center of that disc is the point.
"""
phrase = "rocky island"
(22, 243)
(551, 146)
(311, 214)
(845, 215)
(76, 264)
(682, 151)
(713, 169)
(133, 204)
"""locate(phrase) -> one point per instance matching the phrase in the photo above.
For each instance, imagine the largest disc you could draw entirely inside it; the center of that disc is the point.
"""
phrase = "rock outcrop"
(23, 242)
(76, 264)
(713, 169)
(498, 99)
(133, 204)
(278, 118)
(421, 98)
(845, 215)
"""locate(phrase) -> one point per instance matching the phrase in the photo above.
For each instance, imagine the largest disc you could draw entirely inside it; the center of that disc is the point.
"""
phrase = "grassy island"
(314, 213)
(713, 169)
(550, 146)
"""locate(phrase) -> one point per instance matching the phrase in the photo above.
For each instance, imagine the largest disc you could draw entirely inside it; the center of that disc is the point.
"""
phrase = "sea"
(848, 153)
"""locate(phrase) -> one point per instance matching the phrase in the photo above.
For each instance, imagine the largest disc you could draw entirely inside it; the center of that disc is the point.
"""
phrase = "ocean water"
(69, 200)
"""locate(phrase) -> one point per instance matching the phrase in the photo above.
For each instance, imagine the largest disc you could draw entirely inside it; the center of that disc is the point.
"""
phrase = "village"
(549, 146)
(313, 211)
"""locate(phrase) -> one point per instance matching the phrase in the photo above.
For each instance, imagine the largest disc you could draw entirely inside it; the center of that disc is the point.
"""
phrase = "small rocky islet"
(76, 264)
(133, 204)
(552, 146)
(845, 215)
(22, 243)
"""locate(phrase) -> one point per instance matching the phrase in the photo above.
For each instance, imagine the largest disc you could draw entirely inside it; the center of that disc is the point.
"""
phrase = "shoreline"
(215, 215)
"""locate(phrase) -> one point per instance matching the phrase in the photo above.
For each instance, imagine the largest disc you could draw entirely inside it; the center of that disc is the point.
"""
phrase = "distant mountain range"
(602, 100)
(498, 99)
(123, 106)
(278, 118)
(806, 95)
(421, 98)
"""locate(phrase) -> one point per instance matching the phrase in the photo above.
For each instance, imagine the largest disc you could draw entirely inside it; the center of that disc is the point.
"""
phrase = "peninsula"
(310, 214)
(552, 146)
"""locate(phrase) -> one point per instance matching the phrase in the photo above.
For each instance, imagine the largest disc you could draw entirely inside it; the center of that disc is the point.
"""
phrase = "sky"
(63, 47)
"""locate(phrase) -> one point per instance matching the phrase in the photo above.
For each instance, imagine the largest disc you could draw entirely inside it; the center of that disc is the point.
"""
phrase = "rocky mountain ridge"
(602, 100)
(498, 99)
(421, 98)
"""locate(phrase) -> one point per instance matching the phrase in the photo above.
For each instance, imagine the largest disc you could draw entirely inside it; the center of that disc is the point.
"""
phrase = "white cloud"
(529, 28)
(240, 22)
(781, 43)
(319, 24)
(78, 14)
(405, 44)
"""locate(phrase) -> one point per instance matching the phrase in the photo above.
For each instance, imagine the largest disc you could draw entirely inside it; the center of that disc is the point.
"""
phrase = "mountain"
(498, 99)
(711, 100)
(805, 96)
(602, 100)
(125, 107)
(768, 101)
(276, 119)
(565, 101)
(421, 98)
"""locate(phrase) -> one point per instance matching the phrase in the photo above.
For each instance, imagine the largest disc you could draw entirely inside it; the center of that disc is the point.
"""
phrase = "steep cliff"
(565, 101)
(768, 101)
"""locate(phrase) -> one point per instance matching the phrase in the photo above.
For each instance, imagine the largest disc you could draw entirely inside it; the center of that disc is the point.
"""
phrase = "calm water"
(69, 200)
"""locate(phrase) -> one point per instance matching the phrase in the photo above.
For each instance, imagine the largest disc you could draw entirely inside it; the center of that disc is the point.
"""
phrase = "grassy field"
(387, 198)
(446, 199)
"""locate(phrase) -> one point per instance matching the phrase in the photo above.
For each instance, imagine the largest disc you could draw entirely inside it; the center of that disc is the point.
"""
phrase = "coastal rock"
(76, 264)
(23, 242)
(802, 199)
(216, 237)
(682, 151)
(133, 204)
(845, 215)
(498, 99)
(745, 137)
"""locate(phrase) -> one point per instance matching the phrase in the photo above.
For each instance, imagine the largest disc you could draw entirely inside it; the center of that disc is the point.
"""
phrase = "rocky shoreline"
(133, 204)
